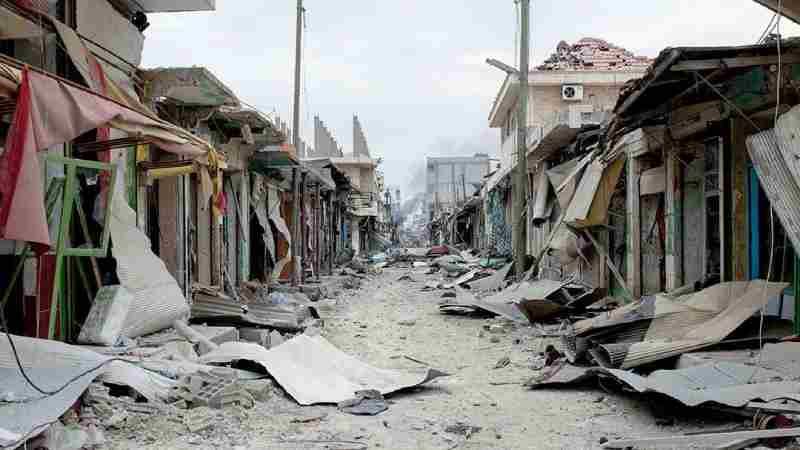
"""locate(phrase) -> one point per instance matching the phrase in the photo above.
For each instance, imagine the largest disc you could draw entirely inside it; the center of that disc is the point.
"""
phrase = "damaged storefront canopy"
(52, 111)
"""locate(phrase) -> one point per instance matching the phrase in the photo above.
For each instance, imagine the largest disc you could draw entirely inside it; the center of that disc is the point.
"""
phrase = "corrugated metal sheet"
(157, 298)
(658, 326)
(724, 383)
(776, 177)
(313, 371)
(50, 365)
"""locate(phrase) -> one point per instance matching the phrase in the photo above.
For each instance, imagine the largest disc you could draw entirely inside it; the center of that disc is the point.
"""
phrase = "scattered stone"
(503, 362)
(328, 305)
(495, 328)
(366, 403)
(261, 390)
(314, 292)
(309, 419)
(199, 419)
(255, 335)
(463, 429)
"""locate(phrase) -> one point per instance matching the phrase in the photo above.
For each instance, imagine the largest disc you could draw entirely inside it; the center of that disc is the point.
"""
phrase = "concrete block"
(199, 419)
(218, 335)
(232, 395)
(204, 388)
(261, 390)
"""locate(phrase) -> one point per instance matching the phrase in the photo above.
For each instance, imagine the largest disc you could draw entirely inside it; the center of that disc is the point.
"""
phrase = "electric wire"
(27, 378)
(762, 311)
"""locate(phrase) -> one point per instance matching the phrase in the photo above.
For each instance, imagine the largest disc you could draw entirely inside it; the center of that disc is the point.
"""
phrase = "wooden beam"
(610, 263)
(634, 251)
(702, 439)
(739, 242)
(732, 63)
(674, 218)
(101, 146)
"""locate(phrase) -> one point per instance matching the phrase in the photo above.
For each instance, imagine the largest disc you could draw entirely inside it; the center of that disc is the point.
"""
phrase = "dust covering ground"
(387, 321)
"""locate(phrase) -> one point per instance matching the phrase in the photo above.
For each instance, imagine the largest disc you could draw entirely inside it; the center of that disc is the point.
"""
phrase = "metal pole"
(297, 62)
(521, 178)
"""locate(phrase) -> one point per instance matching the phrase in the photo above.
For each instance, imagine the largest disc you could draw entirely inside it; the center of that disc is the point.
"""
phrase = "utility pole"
(298, 55)
(297, 242)
(520, 184)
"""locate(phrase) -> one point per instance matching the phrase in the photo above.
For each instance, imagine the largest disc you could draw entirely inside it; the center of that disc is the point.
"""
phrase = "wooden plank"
(732, 63)
(651, 244)
(674, 219)
(693, 245)
(702, 439)
(609, 262)
(203, 243)
(739, 200)
(634, 250)
(168, 223)
(244, 220)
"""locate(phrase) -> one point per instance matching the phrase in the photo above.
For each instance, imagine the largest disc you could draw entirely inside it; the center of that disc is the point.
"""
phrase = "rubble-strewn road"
(383, 323)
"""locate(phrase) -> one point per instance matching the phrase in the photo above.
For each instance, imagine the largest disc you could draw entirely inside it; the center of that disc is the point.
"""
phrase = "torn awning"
(51, 111)
(14, 26)
(589, 205)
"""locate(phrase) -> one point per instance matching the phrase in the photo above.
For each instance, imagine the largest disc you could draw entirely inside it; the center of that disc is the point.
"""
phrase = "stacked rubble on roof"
(593, 54)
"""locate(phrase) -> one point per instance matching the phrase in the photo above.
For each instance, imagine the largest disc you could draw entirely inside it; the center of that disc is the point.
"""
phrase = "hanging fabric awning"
(52, 111)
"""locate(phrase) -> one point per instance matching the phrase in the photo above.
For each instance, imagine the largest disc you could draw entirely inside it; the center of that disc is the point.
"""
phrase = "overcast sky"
(413, 70)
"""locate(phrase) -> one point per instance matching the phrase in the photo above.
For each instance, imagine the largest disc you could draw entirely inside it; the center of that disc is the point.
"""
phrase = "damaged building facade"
(680, 176)
(133, 200)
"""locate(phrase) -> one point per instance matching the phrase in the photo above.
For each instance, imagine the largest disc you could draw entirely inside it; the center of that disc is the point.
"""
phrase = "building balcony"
(559, 129)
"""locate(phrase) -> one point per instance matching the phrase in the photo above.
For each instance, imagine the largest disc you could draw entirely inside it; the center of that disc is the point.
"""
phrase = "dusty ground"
(365, 324)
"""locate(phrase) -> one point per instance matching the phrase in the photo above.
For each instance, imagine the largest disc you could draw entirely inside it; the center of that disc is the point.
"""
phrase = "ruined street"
(481, 405)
